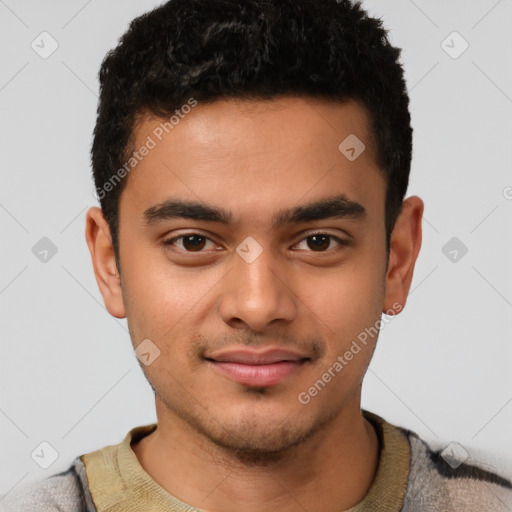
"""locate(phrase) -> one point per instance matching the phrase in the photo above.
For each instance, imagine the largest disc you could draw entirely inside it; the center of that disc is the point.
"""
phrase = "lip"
(258, 368)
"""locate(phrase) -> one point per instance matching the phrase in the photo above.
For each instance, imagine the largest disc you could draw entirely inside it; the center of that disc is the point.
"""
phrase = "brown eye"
(321, 242)
(194, 242)
(191, 242)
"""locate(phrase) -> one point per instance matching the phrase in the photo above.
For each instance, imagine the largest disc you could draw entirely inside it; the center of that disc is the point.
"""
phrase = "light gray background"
(442, 367)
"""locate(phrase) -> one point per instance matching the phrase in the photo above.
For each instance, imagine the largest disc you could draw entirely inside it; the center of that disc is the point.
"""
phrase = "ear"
(99, 241)
(405, 245)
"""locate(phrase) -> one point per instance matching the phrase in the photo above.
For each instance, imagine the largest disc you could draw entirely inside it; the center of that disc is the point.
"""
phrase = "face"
(253, 256)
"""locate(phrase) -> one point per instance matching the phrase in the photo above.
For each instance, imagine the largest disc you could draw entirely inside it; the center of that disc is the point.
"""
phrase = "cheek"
(344, 302)
(347, 312)
(162, 298)
(347, 301)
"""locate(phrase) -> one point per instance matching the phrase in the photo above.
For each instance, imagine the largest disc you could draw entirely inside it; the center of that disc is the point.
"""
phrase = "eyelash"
(341, 241)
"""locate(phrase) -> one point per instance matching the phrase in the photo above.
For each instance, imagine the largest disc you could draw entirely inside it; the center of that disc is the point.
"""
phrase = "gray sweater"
(433, 482)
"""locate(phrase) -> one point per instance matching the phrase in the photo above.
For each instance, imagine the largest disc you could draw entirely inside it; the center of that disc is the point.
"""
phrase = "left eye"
(195, 242)
(319, 242)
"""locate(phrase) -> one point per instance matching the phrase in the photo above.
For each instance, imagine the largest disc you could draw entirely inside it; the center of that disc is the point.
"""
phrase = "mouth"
(258, 369)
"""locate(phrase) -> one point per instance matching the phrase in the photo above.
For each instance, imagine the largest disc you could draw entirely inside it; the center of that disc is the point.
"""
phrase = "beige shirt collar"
(118, 483)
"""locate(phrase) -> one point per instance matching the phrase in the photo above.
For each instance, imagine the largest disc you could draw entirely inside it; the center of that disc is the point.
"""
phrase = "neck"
(332, 470)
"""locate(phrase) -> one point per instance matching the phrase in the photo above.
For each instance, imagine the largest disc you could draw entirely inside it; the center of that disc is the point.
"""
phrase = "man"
(251, 159)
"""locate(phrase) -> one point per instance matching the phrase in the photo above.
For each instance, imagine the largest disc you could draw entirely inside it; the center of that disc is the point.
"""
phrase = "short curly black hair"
(255, 49)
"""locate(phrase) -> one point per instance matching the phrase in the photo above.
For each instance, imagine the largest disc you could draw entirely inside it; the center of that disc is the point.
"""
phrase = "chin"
(263, 439)
(259, 447)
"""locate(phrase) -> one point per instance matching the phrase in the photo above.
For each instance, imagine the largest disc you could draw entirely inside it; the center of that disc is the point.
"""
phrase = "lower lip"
(258, 375)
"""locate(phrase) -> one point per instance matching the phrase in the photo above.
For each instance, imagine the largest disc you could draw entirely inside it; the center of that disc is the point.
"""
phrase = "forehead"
(259, 154)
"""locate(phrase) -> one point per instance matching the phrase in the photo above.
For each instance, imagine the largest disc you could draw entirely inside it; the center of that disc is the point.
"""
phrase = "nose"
(256, 293)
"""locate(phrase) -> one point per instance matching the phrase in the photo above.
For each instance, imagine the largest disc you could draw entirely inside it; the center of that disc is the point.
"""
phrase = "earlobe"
(405, 245)
(99, 241)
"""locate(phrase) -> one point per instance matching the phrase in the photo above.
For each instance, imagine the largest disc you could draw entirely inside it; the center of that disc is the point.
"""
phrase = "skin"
(235, 444)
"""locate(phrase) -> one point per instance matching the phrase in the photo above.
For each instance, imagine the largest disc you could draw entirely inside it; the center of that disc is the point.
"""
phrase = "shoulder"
(63, 492)
(449, 479)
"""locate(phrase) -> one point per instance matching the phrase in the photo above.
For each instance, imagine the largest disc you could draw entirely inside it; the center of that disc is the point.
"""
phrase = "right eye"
(189, 242)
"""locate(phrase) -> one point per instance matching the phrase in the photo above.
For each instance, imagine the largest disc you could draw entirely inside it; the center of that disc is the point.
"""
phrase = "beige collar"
(118, 483)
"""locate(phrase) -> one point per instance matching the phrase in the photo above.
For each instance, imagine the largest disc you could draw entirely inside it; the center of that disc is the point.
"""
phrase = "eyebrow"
(335, 207)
